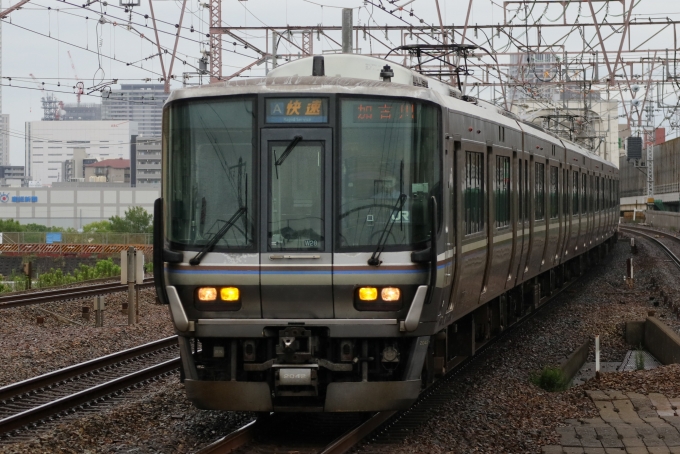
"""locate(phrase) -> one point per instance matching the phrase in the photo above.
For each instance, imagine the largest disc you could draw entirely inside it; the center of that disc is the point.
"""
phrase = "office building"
(146, 164)
(12, 176)
(50, 143)
(141, 103)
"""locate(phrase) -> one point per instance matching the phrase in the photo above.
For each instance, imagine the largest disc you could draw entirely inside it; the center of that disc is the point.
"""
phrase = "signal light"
(368, 293)
(207, 294)
(229, 294)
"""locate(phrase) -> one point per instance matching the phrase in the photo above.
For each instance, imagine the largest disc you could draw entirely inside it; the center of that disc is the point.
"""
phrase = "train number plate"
(292, 377)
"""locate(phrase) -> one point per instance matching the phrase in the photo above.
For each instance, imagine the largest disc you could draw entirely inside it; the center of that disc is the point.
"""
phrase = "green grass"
(550, 378)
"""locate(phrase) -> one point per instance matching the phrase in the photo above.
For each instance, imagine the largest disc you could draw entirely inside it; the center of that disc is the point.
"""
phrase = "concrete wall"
(664, 219)
(661, 341)
(72, 207)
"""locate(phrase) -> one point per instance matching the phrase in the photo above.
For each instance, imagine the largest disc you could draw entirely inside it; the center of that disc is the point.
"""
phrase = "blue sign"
(25, 199)
(53, 237)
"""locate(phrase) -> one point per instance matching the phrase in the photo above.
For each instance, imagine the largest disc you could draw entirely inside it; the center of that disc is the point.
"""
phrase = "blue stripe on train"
(377, 271)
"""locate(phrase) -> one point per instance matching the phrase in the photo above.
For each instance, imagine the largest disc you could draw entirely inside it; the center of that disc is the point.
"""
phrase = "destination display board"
(297, 110)
(384, 112)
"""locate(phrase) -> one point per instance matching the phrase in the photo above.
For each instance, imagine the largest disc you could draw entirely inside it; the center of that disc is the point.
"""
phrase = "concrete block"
(663, 406)
(635, 333)
(568, 436)
(658, 450)
(597, 395)
(552, 449)
(609, 437)
(661, 341)
(634, 442)
(588, 437)
(572, 450)
(575, 361)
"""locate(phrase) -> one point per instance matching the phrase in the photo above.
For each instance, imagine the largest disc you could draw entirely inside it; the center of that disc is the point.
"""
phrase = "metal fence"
(77, 238)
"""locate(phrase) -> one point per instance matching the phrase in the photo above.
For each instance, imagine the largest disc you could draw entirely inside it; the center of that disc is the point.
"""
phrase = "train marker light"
(230, 294)
(390, 294)
(368, 293)
(207, 294)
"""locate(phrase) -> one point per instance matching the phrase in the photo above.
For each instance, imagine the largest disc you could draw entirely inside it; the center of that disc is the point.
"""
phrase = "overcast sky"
(31, 39)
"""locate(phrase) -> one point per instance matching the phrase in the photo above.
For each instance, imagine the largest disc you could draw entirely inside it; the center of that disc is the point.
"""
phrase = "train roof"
(360, 74)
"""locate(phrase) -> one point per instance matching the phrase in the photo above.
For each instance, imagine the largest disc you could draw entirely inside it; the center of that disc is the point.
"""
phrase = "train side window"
(473, 192)
(591, 198)
(520, 193)
(597, 194)
(502, 191)
(565, 193)
(554, 193)
(584, 192)
(574, 194)
(539, 208)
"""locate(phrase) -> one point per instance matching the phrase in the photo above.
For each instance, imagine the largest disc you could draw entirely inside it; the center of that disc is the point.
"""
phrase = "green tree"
(41, 228)
(10, 225)
(136, 220)
(97, 227)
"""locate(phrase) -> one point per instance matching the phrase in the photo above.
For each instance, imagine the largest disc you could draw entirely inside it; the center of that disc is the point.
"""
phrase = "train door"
(296, 256)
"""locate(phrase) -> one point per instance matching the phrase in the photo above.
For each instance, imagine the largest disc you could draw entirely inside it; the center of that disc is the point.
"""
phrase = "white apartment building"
(50, 143)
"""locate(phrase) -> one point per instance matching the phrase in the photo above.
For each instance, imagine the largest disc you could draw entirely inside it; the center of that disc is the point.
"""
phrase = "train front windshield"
(211, 146)
(388, 166)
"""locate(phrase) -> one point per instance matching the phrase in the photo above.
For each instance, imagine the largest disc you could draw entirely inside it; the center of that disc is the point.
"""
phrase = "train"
(339, 234)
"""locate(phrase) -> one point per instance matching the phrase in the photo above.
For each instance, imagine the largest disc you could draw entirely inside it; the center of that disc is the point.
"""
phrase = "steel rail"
(668, 252)
(88, 395)
(42, 381)
(234, 440)
(47, 296)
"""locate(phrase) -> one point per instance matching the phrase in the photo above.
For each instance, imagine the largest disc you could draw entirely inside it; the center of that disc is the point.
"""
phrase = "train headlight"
(368, 293)
(229, 294)
(207, 294)
(390, 294)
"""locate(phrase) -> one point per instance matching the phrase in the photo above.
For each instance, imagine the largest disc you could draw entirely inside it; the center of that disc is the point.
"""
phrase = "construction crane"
(79, 86)
(40, 87)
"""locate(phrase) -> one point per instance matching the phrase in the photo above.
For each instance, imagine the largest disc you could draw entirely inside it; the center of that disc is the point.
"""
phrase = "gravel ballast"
(495, 408)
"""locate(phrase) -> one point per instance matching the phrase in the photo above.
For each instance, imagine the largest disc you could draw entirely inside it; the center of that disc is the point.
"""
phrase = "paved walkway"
(629, 423)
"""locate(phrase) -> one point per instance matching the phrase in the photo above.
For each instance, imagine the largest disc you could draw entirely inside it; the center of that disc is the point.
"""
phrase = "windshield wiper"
(375, 258)
(220, 233)
(285, 154)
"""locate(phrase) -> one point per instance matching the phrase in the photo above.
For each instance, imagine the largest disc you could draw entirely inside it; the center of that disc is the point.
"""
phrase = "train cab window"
(554, 193)
(473, 192)
(389, 168)
(584, 194)
(539, 206)
(502, 191)
(210, 149)
(574, 193)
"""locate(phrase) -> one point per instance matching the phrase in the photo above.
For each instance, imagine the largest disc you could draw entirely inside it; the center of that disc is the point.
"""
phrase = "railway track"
(27, 299)
(39, 398)
(269, 433)
(654, 235)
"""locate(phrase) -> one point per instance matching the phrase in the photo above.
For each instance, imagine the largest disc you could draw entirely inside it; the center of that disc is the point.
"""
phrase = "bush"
(550, 379)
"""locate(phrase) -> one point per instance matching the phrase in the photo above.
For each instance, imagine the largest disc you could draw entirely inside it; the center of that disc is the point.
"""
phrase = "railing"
(26, 238)
(70, 249)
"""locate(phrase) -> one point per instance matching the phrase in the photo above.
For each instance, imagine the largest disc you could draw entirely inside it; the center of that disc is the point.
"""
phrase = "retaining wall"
(663, 219)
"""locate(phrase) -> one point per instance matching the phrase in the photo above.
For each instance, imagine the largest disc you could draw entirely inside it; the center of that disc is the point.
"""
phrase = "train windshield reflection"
(387, 147)
(210, 168)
